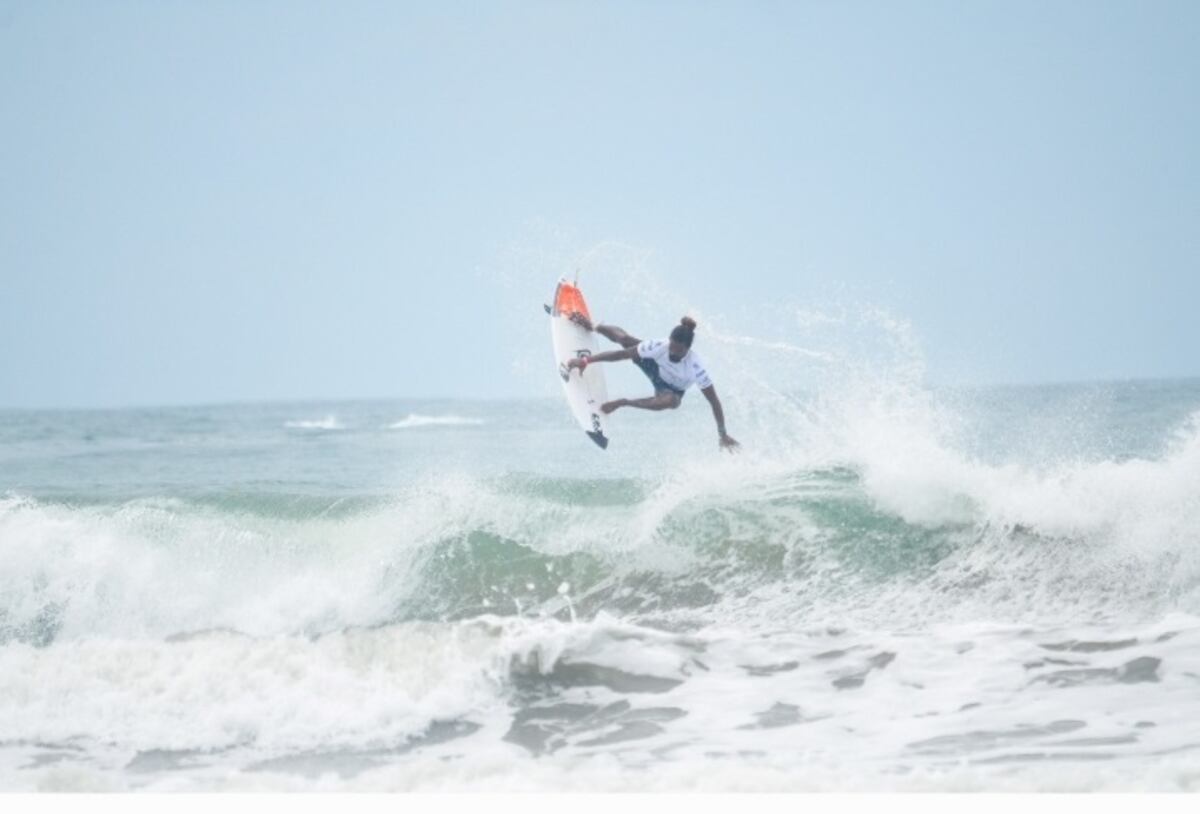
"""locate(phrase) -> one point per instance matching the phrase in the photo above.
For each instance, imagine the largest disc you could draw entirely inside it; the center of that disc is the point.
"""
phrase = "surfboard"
(586, 390)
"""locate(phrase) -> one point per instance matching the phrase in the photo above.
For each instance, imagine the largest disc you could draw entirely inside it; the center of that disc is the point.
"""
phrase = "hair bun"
(688, 323)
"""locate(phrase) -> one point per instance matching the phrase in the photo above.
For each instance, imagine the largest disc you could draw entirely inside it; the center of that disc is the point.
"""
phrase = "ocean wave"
(944, 538)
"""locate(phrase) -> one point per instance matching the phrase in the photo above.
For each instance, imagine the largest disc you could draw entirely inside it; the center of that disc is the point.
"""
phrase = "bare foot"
(608, 406)
(580, 320)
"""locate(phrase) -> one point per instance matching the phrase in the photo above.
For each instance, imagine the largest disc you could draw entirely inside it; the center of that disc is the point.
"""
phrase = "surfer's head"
(681, 339)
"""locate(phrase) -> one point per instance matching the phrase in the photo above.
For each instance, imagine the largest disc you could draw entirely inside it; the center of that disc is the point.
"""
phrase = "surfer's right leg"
(618, 335)
(610, 332)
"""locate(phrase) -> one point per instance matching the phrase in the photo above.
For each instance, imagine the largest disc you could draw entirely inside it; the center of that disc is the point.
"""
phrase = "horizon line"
(267, 401)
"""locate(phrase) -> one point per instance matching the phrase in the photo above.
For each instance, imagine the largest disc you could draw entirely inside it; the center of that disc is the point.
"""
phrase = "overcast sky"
(211, 201)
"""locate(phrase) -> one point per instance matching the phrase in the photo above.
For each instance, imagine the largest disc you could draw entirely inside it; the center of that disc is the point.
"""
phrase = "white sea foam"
(963, 707)
(217, 690)
(155, 568)
(415, 420)
(329, 422)
(872, 412)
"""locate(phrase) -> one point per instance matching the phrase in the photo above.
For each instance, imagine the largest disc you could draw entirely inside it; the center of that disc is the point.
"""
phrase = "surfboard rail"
(585, 389)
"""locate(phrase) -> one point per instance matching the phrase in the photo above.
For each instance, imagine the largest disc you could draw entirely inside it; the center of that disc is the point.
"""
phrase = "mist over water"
(915, 588)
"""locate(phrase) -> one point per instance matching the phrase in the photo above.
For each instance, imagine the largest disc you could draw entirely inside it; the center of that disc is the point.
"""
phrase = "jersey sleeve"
(651, 349)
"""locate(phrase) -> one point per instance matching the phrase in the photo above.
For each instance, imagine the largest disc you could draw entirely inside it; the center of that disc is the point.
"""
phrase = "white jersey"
(680, 375)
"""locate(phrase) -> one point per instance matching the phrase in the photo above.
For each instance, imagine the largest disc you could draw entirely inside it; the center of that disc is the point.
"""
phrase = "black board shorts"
(650, 368)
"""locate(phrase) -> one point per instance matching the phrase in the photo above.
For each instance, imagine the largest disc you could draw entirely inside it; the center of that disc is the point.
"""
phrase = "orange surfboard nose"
(568, 300)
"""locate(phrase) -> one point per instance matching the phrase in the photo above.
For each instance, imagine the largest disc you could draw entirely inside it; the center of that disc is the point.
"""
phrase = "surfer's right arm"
(608, 356)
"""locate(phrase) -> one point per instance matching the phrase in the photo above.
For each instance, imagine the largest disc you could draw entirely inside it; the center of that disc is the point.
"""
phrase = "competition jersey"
(682, 374)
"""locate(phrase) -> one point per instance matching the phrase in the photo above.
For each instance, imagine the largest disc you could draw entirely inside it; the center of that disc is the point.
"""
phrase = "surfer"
(670, 364)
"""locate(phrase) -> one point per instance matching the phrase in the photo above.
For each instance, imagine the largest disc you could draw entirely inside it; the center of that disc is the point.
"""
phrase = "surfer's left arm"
(726, 441)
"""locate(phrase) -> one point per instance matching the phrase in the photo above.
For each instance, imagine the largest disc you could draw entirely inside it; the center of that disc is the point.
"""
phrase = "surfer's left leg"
(665, 400)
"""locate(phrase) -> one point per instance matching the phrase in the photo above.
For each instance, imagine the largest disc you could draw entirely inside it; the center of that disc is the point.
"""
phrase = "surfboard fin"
(599, 438)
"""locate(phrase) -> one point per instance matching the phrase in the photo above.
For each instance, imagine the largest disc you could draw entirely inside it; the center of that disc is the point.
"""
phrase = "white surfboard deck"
(586, 390)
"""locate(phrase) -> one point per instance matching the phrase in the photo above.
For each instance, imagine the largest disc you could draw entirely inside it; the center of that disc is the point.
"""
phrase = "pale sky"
(213, 201)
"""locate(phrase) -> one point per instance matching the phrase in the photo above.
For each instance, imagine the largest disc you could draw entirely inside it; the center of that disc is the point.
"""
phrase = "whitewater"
(893, 587)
